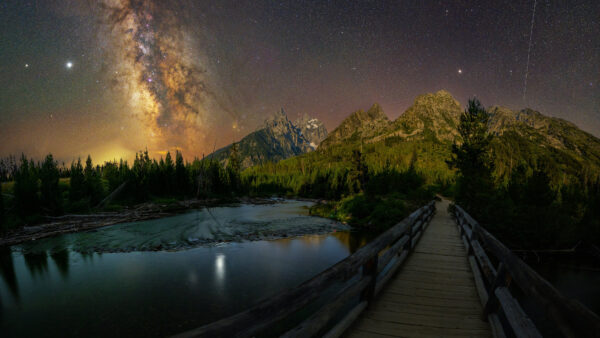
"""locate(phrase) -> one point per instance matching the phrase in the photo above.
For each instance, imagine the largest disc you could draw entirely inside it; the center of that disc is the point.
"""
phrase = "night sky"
(111, 77)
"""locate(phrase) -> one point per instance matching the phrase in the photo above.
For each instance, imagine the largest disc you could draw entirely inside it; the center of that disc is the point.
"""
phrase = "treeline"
(528, 209)
(333, 173)
(358, 186)
(42, 189)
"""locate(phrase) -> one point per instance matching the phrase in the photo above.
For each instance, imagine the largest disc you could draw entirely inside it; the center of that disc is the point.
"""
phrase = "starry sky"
(109, 77)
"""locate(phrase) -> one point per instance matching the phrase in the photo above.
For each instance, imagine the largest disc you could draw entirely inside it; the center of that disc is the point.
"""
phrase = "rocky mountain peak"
(279, 138)
(376, 112)
(279, 124)
(441, 100)
(312, 129)
(433, 113)
(359, 124)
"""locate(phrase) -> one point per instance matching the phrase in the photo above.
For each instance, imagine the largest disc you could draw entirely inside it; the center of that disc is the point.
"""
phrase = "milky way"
(158, 67)
(195, 74)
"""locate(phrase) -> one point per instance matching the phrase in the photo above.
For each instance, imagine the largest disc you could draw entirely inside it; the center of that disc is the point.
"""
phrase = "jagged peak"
(376, 108)
(441, 96)
(375, 113)
(443, 92)
(278, 117)
(525, 113)
(306, 119)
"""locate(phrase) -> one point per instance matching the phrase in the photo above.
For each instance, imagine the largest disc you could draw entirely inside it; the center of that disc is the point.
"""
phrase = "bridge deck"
(432, 295)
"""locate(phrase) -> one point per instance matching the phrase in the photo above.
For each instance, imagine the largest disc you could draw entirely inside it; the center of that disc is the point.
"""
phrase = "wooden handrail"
(364, 273)
(569, 316)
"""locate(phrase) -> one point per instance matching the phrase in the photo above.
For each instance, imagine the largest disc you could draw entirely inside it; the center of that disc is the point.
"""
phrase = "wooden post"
(501, 280)
(370, 269)
(409, 232)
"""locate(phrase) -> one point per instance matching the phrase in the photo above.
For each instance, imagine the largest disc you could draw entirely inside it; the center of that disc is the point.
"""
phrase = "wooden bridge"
(432, 275)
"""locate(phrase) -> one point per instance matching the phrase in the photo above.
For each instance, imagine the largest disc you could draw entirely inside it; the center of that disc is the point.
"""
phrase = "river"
(108, 283)
(161, 277)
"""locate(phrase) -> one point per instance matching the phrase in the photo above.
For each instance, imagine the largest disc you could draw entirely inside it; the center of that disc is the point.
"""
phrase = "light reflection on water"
(60, 292)
(220, 270)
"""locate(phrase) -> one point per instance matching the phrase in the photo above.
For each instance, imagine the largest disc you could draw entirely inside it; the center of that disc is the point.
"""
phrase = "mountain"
(312, 129)
(359, 125)
(536, 139)
(278, 139)
(431, 114)
(428, 129)
(546, 131)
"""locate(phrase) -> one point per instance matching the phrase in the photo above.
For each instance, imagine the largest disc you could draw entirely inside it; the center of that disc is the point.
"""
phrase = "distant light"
(69, 65)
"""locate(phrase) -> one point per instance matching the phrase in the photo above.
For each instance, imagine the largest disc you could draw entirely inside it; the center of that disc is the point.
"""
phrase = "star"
(460, 71)
(69, 65)
(26, 65)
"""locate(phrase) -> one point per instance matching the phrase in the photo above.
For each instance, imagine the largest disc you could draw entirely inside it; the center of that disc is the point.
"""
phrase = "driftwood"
(58, 225)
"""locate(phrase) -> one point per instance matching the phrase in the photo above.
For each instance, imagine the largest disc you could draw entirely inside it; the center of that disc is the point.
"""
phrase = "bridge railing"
(363, 275)
(501, 309)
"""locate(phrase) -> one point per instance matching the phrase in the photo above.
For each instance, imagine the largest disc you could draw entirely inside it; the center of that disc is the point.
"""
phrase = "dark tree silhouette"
(26, 187)
(234, 166)
(474, 184)
(50, 193)
(77, 182)
(93, 184)
(1, 206)
(181, 176)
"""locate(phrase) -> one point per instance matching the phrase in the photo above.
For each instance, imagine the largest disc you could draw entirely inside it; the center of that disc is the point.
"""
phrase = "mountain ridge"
(521, 136)
(279, 138)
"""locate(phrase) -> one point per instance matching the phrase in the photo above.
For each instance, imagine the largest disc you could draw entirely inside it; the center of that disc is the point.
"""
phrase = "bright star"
(69, 65)
(460, 71)
(26, 65)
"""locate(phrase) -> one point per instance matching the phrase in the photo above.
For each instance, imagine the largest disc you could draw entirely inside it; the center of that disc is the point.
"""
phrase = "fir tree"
(50, 194)
(93, 183)
(234, 166)
(169, 174)
(1, 205)
(26, 188)
(77, 182)
(474, 184)
(181, 175)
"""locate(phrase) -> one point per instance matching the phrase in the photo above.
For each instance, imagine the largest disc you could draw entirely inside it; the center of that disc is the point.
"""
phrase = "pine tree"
(50, 194)
(181, 175)
(169, 174)
(474, 184)
(1, 205)
(234, 166)
(26, 188)
(358, 175)
(93, 183)
(77, 182)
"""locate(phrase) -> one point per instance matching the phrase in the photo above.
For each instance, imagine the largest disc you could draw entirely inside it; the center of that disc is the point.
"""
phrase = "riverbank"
(145, 211)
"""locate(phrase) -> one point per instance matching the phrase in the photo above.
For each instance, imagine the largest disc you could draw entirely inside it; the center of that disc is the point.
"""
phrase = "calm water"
(66, 286)
(51, 289)
(576, 276)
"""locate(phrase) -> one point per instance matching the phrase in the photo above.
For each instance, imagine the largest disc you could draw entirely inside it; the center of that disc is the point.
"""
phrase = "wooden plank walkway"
(432, 295)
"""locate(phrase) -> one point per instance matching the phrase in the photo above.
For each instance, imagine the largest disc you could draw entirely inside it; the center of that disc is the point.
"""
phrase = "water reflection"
(7, 271)
(37, 263)
(220, 268)
(349, 239)
(61, 259)
(353, 240)
(87, 256)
